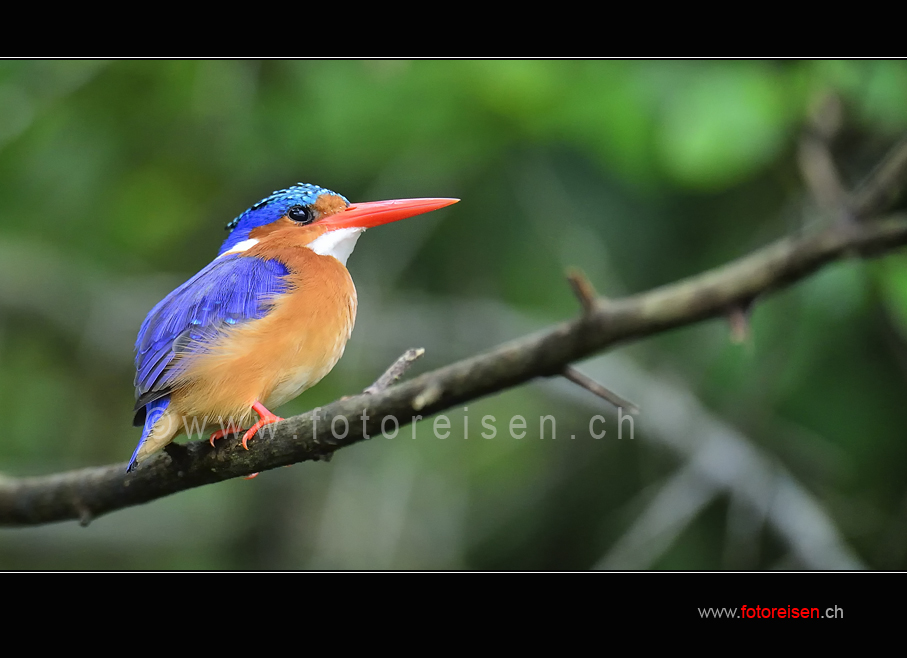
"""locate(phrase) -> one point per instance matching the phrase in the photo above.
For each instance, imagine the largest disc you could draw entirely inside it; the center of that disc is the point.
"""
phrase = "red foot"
(219, 434)
(251, 477)
(266, 419)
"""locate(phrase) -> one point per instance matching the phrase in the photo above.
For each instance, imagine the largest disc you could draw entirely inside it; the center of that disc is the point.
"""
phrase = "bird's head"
(321, 219)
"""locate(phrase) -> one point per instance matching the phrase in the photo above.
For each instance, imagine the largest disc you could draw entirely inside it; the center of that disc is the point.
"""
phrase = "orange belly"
(275, 358)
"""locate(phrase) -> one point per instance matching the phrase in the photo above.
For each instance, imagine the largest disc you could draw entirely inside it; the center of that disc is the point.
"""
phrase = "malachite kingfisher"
(265, 320)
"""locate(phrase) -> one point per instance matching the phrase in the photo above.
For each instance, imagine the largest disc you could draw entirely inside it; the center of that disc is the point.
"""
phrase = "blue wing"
(231, 290)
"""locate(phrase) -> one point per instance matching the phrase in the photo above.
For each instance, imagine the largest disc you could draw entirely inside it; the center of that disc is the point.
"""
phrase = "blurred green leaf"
(727, 122)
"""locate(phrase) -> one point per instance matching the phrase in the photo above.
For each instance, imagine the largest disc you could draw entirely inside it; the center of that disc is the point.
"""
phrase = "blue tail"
(153, 412)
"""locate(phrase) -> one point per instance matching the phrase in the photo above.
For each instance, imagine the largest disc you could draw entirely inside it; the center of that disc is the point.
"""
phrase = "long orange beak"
(375, 213)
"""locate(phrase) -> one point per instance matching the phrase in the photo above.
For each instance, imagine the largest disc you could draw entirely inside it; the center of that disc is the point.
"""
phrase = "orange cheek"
(282, 234)
(281, 224)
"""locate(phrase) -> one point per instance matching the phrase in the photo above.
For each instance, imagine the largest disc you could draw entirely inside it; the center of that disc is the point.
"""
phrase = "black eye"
(300, 214)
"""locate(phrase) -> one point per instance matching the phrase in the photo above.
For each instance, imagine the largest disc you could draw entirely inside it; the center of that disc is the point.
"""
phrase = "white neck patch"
(338, 243)
(241, 246)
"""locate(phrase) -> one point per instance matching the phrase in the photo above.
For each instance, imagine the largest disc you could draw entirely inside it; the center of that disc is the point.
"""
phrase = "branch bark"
(87, 493)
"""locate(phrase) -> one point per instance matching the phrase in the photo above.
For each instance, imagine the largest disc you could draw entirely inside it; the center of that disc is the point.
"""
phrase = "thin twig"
(884, 185)
(593, 386)
(396, 371)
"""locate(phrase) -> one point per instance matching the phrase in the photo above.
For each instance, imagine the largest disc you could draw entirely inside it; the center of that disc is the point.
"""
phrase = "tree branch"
(87, 493)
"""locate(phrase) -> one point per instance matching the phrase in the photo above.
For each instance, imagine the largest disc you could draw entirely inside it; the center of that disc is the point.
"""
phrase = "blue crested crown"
(272, 208)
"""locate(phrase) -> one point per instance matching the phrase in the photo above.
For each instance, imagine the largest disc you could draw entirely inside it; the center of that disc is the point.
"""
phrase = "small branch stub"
(396, 371)
(583, 290)
(428, 396)
(739, 320)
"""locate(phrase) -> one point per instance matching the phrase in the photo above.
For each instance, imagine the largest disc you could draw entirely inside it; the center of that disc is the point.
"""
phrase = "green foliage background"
(116, 179)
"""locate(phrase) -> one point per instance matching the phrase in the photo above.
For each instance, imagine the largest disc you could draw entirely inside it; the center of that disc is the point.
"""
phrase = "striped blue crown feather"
(272, 208)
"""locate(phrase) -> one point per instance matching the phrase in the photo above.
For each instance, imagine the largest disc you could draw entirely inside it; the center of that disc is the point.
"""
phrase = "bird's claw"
(265, 420)
(219, 434)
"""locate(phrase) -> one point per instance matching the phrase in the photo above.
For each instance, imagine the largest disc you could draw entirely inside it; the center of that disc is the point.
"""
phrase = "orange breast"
(275, 358)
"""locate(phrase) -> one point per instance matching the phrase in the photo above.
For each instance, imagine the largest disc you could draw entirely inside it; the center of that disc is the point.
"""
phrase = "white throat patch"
(338, 243)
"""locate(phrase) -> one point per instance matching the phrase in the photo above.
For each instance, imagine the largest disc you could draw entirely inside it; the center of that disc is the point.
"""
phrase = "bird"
(265, 320)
